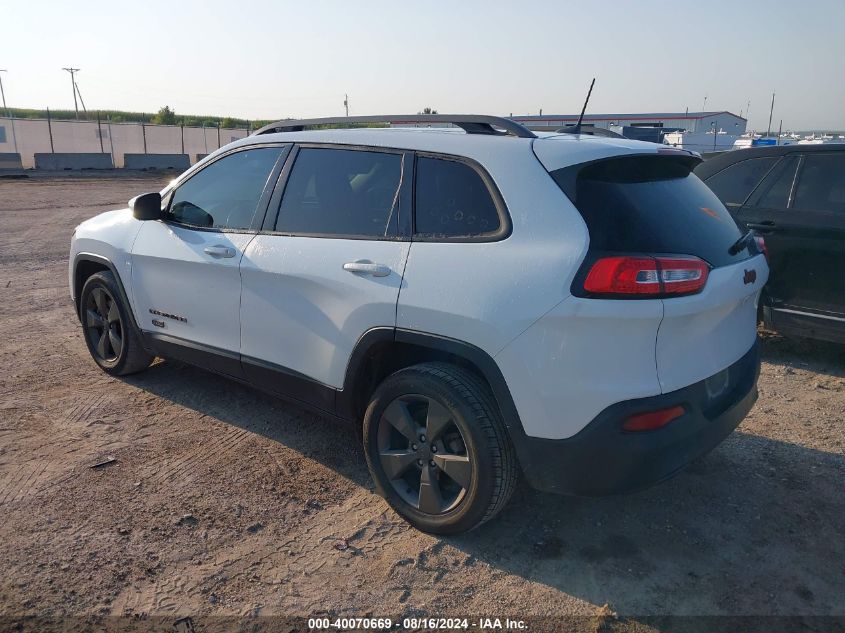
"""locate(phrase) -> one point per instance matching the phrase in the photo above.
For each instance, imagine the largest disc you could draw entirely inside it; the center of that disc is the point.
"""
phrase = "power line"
(73, 86)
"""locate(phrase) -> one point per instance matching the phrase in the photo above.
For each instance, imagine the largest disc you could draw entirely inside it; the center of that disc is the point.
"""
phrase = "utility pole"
(111, 138)
(84, 109)
(346, 103)
(50, 130)
(771, 111)
(73, 85)
(704, 107)
(100, 133)
(3, 94)
(8, 112)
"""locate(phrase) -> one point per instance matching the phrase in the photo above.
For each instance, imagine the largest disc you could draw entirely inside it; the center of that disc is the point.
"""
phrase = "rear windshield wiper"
(741, 243)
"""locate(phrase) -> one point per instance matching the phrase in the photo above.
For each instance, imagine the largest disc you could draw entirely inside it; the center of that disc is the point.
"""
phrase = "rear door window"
(339, 192)
(821, 184)
(451, 200)
(735, 183)
(652, 204)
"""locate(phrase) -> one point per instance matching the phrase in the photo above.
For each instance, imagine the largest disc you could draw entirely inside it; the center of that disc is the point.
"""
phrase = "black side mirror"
(147, 206)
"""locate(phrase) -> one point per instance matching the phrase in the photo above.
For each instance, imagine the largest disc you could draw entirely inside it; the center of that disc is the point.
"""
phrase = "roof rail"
(470, 123)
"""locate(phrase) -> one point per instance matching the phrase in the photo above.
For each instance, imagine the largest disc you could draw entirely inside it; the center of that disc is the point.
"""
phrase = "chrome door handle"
(218, 250)
(367, 267)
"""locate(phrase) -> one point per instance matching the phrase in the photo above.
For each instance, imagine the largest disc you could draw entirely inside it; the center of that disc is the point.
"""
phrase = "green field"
(123, 116)
(160, 118)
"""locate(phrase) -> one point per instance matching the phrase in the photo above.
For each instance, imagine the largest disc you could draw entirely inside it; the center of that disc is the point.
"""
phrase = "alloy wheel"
(103, 326)
(423, 453)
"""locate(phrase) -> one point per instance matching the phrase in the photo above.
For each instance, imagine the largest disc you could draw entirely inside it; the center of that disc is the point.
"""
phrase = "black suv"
(794, 196)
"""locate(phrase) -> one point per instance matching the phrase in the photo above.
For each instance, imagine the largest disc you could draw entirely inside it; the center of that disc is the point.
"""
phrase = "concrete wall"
(73, 160)
(31, 136)
(10, 160)
(156, 161)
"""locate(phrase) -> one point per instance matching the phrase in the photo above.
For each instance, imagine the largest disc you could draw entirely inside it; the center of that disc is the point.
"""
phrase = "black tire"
(109, 329)
(421, 397)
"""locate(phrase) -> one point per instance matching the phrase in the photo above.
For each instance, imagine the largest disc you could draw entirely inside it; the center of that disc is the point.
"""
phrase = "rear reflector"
(639, 276)
(653, 419)
(761, 246)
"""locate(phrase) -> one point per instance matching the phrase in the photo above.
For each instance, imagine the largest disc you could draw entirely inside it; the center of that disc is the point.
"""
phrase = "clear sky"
(272, 59)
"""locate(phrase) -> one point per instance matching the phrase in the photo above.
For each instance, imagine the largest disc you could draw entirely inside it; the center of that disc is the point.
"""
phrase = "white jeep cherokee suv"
(478, 303)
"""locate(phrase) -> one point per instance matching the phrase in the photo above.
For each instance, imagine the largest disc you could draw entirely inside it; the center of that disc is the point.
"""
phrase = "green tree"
(427, 111)
(165, 116)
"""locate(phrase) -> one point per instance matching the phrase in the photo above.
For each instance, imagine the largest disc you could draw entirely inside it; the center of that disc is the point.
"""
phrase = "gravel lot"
(222, 500)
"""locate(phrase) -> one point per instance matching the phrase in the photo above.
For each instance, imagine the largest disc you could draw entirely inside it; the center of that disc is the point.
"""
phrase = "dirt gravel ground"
(222, 500)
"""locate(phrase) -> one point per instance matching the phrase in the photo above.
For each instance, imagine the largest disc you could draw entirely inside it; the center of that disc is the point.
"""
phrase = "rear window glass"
(452, 200)
(652, 204)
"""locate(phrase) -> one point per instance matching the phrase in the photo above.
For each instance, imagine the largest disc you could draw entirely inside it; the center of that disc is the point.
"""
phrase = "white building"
(697, 122)
(701, 142)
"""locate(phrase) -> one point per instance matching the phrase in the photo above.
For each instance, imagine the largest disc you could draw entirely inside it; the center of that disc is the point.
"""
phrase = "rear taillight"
(653, 419)
(761, 246)
(647, 276)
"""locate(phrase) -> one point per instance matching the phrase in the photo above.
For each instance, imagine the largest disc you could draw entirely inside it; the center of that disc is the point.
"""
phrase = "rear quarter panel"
(581, 357)
(487, 293)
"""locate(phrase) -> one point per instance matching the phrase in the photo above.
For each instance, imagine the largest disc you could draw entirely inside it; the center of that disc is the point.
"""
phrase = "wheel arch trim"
(476, 356)
(104, 261)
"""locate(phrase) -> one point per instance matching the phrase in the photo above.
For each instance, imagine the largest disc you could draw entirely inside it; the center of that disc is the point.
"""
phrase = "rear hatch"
(657, 233)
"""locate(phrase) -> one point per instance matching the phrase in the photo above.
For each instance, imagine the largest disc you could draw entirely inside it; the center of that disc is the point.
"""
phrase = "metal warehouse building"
(691, 121)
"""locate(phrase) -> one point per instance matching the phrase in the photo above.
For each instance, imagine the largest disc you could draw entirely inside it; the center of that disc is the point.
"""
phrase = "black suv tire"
(109, 329)
(460, 476)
